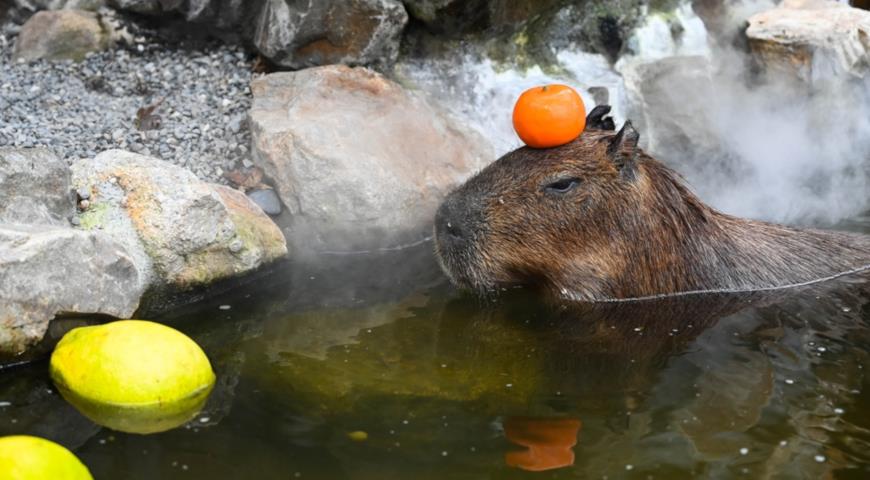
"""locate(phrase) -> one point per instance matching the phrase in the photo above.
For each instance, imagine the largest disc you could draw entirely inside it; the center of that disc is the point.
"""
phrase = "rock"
(48, 271)
(91, 5)
(60, 35)
(598, 26)
(305, 34)
(427, 11)
(220, 13)
(181, 232)
(267, 199)
(678, 32)
(297, 34)
(672, 126)
(34, 187)
(454, 16)
(150, 7)
(357, 160)
(811, 40)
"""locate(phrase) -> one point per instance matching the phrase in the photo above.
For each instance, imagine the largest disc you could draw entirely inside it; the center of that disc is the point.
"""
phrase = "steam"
(771, 149)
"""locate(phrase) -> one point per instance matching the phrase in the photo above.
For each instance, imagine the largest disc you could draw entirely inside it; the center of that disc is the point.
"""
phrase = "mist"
(748, 143)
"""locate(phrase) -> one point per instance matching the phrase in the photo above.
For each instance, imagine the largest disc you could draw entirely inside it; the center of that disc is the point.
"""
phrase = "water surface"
(448, 386)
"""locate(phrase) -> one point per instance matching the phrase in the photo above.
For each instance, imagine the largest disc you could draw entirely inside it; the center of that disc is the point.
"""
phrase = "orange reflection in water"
(548, 442)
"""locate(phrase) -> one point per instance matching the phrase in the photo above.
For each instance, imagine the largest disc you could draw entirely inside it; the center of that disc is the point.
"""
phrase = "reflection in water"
(141, 419)
(703, 387)
(548, 442)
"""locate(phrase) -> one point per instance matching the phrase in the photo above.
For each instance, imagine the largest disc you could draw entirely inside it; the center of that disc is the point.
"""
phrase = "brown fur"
(630, 229)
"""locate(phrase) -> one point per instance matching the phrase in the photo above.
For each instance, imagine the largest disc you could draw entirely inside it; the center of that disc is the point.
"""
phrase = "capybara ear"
(623, 150)
(597, 119)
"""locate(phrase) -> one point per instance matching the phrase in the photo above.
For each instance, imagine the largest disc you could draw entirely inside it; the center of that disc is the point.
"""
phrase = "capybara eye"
(563, 185)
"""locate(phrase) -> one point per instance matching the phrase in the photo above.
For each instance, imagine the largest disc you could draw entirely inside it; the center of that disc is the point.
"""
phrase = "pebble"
(81, 109)
(267, 199)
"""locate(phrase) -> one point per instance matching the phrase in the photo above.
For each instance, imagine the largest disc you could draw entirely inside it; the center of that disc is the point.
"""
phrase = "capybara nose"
(449, 225)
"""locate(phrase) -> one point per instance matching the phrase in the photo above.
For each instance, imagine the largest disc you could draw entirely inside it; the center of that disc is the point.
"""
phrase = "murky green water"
(447, 386)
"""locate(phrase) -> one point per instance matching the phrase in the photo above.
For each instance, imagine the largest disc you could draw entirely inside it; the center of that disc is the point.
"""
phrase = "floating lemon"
(131, 375)
(31, 458)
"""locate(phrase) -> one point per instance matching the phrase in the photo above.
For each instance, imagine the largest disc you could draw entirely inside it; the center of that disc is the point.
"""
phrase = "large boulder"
(33, 5)
(297, 34)
(358, 160)
(60, 35)
(473, 15)
(181, 232)
(49, 271)
(221, 13)
(673, 128)
(812, 40)
(355, 32)
(34, 187)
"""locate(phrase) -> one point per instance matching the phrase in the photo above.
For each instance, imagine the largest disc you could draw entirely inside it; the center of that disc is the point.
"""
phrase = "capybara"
(599, 219)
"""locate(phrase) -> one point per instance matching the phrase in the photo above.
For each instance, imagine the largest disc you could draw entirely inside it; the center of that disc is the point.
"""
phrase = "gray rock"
(298, 34)
(221, 13)
(178, 229)
(365, 165)
(427, 11)
(476, 15)
(150, 7)
(235, 123)
(354, 32)
(34, 187)
(812, 40)
(49, 271)
(267, 199)
(32, 5)
(672, 127)
(59, 35)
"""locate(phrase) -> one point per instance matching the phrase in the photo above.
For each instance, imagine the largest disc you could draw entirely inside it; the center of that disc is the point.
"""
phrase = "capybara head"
(563, 218)
(599, 219)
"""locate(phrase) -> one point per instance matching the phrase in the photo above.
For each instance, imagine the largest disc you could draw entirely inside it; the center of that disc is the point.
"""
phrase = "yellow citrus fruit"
(131, 375)
(31, 458)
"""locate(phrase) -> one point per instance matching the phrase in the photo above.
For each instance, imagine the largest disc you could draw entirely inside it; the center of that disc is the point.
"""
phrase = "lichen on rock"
(184, 232)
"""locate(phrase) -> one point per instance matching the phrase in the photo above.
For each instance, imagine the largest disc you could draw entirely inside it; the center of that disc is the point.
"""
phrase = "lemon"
(131, 375)
(31, 458)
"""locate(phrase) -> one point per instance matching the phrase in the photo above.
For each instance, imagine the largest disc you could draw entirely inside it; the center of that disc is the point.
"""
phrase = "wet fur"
(631, 229)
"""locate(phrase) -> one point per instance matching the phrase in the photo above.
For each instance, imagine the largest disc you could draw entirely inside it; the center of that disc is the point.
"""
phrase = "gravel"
(81, 109)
